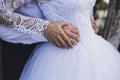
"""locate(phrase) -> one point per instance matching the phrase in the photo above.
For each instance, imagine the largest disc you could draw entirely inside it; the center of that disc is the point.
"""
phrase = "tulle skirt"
(90, 59)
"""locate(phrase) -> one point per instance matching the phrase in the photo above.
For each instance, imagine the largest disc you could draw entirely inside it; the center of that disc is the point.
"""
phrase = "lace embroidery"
(24, 24)
(18, 22)
(12, 4)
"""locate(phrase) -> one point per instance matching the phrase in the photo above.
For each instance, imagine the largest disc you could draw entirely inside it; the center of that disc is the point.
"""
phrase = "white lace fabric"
(18, 22)
(12, 4)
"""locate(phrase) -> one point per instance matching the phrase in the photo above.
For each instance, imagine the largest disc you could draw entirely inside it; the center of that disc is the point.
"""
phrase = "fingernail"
(71, 47)
(75, 43)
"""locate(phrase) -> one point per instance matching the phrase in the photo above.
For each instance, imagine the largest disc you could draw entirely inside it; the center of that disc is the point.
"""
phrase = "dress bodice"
(76, 12)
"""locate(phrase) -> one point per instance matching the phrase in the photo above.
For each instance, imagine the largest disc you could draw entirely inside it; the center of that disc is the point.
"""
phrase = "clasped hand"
(62, 34)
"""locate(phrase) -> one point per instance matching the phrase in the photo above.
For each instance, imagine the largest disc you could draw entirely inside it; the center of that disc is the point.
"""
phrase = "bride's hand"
(94, 25)
(72, 33)
(59, 34)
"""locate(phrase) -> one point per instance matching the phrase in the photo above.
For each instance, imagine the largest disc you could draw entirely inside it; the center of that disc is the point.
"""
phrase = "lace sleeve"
(23, 23)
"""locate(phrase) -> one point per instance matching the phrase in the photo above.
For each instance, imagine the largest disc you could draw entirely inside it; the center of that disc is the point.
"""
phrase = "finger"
(66, 39)
(75, 31)
(95, 27)
(64, 24)
(74, 42)
(54, 41)
(62, 42)
(57, 44)
(51, 39)
(72, 29)
(72, 35)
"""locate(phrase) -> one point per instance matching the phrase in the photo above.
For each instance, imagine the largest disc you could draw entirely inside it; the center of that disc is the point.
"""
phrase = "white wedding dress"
(93, 58)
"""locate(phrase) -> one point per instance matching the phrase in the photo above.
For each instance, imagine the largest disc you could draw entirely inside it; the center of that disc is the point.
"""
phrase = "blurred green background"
(100, 13)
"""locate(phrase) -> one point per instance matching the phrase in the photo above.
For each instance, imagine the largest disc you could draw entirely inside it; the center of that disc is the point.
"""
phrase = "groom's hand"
(62, 34)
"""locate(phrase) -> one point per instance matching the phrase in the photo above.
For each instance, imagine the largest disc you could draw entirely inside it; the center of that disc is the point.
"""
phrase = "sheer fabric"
(18, 22)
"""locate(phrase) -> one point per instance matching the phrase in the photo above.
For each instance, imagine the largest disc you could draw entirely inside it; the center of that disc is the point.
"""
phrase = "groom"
(14, 56)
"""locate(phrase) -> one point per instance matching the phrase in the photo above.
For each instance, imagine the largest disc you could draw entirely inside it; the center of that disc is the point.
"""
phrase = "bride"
(93, 58)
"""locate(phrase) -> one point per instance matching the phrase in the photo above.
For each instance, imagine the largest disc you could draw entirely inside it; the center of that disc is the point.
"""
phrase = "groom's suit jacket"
(15, 55)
